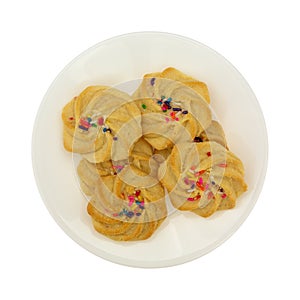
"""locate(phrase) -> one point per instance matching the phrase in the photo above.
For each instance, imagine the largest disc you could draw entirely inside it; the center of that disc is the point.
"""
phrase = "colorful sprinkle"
(152, 81)
(130, 214)
(167, 119)
(197, 197)
(177, 109)
(223, 165)
(104, 129)
(144, 106)
(115, 138)
(224, 196)
(71, 118)
(83, 128)
(210, 195)
(101, 121)
(208, 154)
(84, 123)
(185, 112)
(198, 139)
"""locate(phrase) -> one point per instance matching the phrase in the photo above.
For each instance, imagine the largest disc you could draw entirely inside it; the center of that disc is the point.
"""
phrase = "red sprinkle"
(197, 197)
(100, 121)
(190, 199)
(199, 173)
(85, 123)
(224, 165)
(71, 118)
(208, 154)
(137, 193)
(224, 196)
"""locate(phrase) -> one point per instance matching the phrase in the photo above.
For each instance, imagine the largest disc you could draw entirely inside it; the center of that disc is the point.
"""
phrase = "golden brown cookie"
(172, 112)
(203, 177)
(101, 123)
(125, 212)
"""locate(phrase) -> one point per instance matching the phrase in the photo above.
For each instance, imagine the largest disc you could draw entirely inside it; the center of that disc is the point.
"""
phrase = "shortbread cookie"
(171, 111)
(125, 212)
(203, 177)
(100, 124)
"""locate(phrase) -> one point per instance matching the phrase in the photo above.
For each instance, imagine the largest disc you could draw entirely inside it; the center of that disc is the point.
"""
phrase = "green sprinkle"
(144, 106)
(94, 125)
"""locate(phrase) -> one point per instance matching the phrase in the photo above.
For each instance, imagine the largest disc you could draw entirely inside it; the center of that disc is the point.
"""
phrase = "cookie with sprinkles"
(99, 123)
(126, 212)
(172, 112)
(203, 177)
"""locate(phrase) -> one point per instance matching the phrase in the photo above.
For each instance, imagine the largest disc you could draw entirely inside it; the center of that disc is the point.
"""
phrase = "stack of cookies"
(136, 148)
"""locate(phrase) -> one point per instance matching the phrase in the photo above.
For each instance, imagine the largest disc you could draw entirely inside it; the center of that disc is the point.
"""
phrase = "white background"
(261, 260)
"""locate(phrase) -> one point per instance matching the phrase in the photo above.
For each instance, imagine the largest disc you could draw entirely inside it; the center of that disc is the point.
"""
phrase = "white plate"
(183, 236)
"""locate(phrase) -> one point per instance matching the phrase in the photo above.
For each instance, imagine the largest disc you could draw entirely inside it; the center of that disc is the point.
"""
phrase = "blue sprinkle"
(213, 183)
(115, 138)
(185, 112)
(159, 102)
(104, 129)
(193, 186)
(169, 99)
(83, 128)
(152, 81)
(177, 109)
(130, 214)
(138, 214)
(89, 120)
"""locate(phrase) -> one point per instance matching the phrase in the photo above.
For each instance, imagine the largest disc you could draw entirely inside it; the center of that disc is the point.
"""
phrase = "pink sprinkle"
(224, 165)
(193, 167)
(210, 195)
(176, 119)
(85, 123)
(131, 198)
(200, 180)
(118, 167)
(167, 119)
(224, 196)
(186, 181)
(207, 186)
(100, 121)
